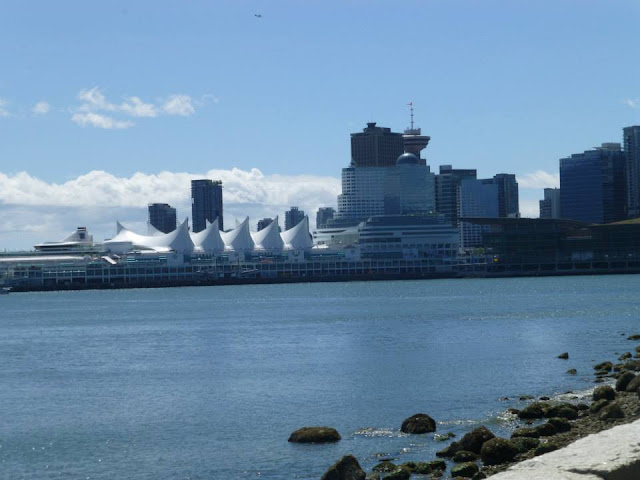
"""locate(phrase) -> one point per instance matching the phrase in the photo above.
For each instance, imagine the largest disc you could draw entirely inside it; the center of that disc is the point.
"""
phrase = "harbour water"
(208, 382)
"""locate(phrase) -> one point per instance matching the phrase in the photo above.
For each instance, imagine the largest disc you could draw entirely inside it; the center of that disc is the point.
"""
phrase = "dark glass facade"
(323, 216)
(448, 190)
(376, 147)
(162, 217)
(631, 139)
(206, 203)
(292, 217)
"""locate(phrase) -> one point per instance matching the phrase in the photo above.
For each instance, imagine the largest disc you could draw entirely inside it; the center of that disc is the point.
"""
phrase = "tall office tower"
(478, 198)
(206, 203)
(550, 206)
(508, 202)
(323, 216)
(162, 217)
(593, 185)
(376, 147)
(448, 190)
(631, 139)
(264, 223)
(292, 217)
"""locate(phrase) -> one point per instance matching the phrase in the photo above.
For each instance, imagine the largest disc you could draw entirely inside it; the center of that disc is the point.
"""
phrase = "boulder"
(497, 451)
(473, 440)
(564, 410)
(419, 423)
(623, 381)
(449, 450)
(633, 385)
(545, 430)
(611, 412)
(564, 356)
(572, 371)
(533, 410)
(347, 468)
(606, 366)
(598, 405)
(400, 473)
(443, 437)
(545, 448)
(560, 424)
(625, 356)
(385, 467)
(315, 435)
(524, 444)
(604, 392)
(632, 366)
(635, 336)
(462, 456)
(465, 470)
(525, 432)
(425, 468)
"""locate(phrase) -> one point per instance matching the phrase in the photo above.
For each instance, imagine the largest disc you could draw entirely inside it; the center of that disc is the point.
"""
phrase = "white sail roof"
(239, 239)
(178, 240)
(209, 239)
(268, 238)
(153, 231)
(298, 237)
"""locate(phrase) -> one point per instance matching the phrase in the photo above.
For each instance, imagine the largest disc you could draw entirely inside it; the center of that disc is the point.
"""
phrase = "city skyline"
(149, 96)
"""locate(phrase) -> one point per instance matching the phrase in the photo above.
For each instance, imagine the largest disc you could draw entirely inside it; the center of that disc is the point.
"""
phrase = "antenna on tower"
(411, 105)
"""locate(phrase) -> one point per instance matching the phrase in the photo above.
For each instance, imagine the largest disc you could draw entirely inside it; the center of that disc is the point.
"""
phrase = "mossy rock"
(545, 430)
(468, 470)
(473, 440)
(443, 437)
(418, 424)
(561, 424)
(625, 356)
(632, 366)
(545, 448)
(564, 356)
(635, 336)
(524, 444)
(623, 381)
(400, 473)
(611, 412)
(315, 435)
(533, 410)
(572, 371)
(598, 405)
(347, 468)
(564, 410)
(385, 467)
(525, 432)
(606, 366)
(462, 456)
(633, 384)
(497, 451)
(449, 450)
(605, 392)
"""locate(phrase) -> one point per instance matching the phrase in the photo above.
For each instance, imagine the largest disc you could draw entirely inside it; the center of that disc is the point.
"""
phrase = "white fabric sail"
(239, 239)
(268, 239)
(176, 241)
(298, 237)
(209, 239)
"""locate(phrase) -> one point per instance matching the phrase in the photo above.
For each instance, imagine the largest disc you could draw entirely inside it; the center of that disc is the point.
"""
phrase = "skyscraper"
(323, 216)
(206, 203)
(448, 190)
(162, 217)
(550, 206)
(478, 198)
(264, 223)
(292, 217)
(508, 200)
(376, 147)
(593, 185)
(631, 143)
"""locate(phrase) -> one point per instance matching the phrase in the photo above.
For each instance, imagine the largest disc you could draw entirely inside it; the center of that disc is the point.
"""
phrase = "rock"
(564, 410)
(497, 451)
(606, 366)
(635, 336)
(545, 448)
(425, 468)
(347, 468)
(582, 406)
(544, 399)
(418, 424)
(632, 366)
(315, 435)
(462, 456)
(533, 410)
(473, 440)
(611, 411)
(560, 424)
(373, 476)
(524, 444)
(572, 371)
(604, 392)
(625, 356)
(525, 397)
(400, 473)
(449, 450)
(564, 356)
(467, 470)
(443, 437)
(633, 385)
(525, 432)
(513, 411)
(623, 381)
(598, 405)
(385, 467)
(546, 429)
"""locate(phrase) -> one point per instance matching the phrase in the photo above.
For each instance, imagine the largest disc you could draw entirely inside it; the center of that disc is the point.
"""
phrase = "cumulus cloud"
(100, 121)
(41, 108)
(539, 179)
(3, 108)
(529, 208)
(94, 102)
(107, 198)
(632, 102)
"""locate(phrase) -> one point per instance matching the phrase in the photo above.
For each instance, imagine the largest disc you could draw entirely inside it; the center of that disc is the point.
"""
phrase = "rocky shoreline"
(545, 425)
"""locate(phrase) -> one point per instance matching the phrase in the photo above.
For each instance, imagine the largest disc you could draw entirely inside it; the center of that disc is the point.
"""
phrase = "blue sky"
(206, 87)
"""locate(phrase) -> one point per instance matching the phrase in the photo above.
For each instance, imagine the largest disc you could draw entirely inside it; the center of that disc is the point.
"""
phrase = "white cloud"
(137, 108)
(99, 121)
(529, 208)
(109, 198)
(539, 179)
(179, 105)
(3, 108)
(41, 108)
(632, 102)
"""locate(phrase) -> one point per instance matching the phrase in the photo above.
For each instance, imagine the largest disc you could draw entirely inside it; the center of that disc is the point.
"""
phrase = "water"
(208, 383)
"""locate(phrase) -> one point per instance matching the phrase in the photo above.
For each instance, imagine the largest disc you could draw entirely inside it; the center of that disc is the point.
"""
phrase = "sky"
(106, 107)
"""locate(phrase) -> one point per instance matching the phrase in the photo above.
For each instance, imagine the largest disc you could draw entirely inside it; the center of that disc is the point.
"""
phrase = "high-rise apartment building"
(447, 190)
(292, 217)
(550, 206)
(631, 144)
(162, 217)
(593, 185)
(323, 216)
(264, 223)
(206, 203)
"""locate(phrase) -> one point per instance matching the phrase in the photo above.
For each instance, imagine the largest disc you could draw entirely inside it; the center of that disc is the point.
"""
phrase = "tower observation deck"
(414, 141)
